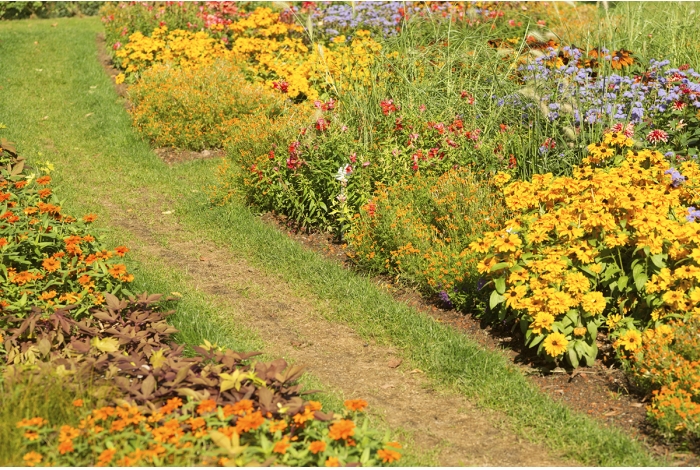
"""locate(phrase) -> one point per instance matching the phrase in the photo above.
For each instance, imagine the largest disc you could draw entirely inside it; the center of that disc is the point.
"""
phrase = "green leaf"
(658, 260)
(495, 299)
(622, 282)
(573, 358)
(498, 266)
(500, 284)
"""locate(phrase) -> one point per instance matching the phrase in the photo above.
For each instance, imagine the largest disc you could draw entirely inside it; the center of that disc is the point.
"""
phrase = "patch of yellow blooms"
(567, 231)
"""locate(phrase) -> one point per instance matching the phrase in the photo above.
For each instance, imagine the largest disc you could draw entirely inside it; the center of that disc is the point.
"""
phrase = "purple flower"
(676, 178)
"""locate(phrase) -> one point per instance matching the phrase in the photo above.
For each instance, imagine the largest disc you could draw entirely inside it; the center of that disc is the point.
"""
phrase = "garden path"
(436, 421)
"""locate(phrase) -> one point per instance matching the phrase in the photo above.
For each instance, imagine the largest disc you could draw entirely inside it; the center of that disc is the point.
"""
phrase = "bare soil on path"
(293, 327)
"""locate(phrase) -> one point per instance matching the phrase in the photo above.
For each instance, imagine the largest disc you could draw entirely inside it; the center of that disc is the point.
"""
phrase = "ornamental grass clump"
(616, 244)
(49, 259)
(202, 433)
(418, 230)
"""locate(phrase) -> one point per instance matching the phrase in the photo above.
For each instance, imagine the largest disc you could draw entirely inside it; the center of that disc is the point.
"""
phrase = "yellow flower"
(555, 344)
(542, 321)
(593, 303)
(630, 340)
(119, 78)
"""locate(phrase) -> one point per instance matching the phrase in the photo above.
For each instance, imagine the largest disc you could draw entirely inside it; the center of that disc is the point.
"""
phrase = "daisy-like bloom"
(117, 270)
(332, 462)
(514, 295)
(388, 455)
(555, 344)
(306, 415)
(105, 457)
(206, 406)
(355, 405)
(90, 218)
(579, 331)
(664, 333)
(342, 429)
(242, 407)
(506, 244)
(501, 178)
(249, 421)
(31, 435)
(32, 458)
(65, 447)
(630, 340)
(593, 303)
(317, 446)
(315, 405)
(672, 297)
(542, 321)
(44, 180)
(280, 425)
(78, 403)
(121, 251)
(51, 264)
(656, 136)
(281, 446)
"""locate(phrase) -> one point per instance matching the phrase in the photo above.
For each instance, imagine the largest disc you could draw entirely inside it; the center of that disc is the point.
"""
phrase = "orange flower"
(315, 405)
(206, 406)
(317, 446)
(72, 240)
(105, 457)
(20, 184)
(121, 251)
(301, 418)
(48, 295)
(278, 426)
(44, 180)
(332, 462)
(51, 264)
(250, 421)
(88, 238)
(117, 270)
(281, 446)
(196, 423)
(171, 405)
(31, 435)
(68, 433)
(44, 193)
(394, 444)
(39, 422)
(32, 458)
(388, 455)
(90, 218)
(65, 447)
(78, 403)
(242, 407)
(355, 405)
(342, 429)
(3, 242)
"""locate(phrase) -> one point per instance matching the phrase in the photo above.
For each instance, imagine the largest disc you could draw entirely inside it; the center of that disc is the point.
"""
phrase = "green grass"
(95, 154)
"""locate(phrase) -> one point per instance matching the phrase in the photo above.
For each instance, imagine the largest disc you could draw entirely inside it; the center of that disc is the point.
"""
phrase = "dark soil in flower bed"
(603, 391)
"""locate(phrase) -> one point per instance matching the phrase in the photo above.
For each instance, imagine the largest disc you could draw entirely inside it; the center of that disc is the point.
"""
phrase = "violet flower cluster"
(342, 18)
(592, 99)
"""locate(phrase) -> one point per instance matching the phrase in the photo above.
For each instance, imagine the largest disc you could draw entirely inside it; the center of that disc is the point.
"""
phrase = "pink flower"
(627, 130)
(353, 157)
(656, 136)
(117, 45)
(321, 125)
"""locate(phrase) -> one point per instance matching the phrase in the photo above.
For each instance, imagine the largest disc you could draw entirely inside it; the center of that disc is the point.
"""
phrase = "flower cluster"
(202, 433)
(50, 259)
(606, 246)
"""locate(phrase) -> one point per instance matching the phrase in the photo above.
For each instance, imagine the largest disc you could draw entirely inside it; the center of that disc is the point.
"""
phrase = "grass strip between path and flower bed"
(58, 101)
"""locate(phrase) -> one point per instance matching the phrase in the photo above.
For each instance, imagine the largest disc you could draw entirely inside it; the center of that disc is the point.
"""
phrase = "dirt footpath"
(443, 424)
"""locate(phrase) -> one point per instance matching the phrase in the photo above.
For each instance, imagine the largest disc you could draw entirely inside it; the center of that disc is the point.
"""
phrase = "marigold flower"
(317, 446)
(388, 455)
(342, 429)
(355, 405)
(32, 458)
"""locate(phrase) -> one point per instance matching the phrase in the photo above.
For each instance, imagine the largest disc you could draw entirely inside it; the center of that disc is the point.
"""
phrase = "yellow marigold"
(555, 344)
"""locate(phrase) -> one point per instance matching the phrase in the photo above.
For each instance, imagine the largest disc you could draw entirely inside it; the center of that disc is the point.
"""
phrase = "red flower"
(656, 136)
(388, 107)
(321, 125)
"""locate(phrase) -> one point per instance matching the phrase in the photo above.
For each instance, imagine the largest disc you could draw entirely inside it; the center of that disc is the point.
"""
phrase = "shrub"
(608, 245)
(202, 108)
(419, 228)
(49, 259)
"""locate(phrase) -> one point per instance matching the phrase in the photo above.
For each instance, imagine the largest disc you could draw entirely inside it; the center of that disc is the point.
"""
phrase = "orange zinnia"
(317, 446)
(250, 421)
(206, 406)
(332, 462)
(51, 264)
(281, 446)
(105, 457)
(65, 447)
(90, 218)
(32, 458)
(342, 429)
(78, 403)
(355, 405)
(117, 270)
(121, 250)
(43, 180)
(242, 407)
(388, 455)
